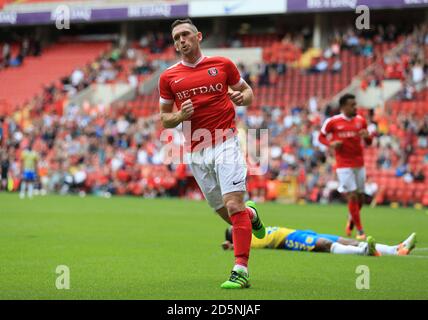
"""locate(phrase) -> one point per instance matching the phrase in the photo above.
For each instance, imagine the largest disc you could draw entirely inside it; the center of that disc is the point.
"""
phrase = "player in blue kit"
(29, 159)
(308, 240)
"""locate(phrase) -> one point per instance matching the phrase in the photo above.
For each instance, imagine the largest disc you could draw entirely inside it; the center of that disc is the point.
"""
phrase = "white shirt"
(417, 74)
(275, 152)
(370, 188)
(122, 126)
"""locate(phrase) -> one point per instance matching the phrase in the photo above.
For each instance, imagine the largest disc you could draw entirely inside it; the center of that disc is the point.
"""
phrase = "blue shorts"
(305, 240)
(29, 175)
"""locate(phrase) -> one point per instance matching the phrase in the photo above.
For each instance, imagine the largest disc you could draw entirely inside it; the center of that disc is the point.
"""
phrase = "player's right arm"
(169, 118)
(323, 136)
(323, 139)
(172, 119)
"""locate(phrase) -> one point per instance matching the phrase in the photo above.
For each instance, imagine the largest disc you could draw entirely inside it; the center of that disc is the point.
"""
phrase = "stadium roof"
(47, 11)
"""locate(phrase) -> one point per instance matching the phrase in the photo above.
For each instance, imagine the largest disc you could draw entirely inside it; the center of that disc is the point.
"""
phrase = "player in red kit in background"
(205, 89)
(345, 134)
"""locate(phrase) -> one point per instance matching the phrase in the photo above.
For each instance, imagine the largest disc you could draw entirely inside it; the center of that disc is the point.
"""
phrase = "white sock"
(240, 267)
(386, 250)
(30, 190)
(338, 248)
(254, 214)
(23, 187)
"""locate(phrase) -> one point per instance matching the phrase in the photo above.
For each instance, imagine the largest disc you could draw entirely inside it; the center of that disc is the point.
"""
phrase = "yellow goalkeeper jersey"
(30, 159)
(275, 237)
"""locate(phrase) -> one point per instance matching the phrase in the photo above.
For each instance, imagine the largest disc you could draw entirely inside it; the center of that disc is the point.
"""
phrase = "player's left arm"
(241, 94)
(323, 137)
(364, 133)
(368, 139)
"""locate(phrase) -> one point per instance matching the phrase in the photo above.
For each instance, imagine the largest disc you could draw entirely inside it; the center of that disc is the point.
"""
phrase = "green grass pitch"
(130, 248)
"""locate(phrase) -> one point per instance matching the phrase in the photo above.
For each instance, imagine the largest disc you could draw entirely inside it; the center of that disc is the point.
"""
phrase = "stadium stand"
(21, 85)
(4, 2)
(116, 149)
(401, 159)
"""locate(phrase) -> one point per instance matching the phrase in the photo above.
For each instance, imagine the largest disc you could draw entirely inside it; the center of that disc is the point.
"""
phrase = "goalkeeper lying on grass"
(307, 240)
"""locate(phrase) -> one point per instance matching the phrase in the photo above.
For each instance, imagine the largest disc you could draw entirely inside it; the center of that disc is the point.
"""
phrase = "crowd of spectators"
(360, 43)
(14, 52)
(154, 42)
(111, 151)
(108, 150)
(122, 63)
(408, 63)
(101, 149)
(395, 150)
(284, 53)
(278, 54)
(98, 151)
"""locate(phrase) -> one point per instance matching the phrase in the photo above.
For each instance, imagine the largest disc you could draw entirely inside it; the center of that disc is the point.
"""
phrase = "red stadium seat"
(425, 199)
(391, 195)
(56, 61)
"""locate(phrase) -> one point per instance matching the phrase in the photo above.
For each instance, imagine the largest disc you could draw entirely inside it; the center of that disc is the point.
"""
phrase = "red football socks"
(250, 213)
(241, 234)
(354, 210)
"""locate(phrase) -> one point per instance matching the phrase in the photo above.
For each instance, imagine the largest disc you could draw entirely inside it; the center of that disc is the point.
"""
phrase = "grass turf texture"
(129, 248)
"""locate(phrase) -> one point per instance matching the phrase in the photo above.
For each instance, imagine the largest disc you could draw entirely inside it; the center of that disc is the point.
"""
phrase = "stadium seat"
(425, 199)
(57, 60)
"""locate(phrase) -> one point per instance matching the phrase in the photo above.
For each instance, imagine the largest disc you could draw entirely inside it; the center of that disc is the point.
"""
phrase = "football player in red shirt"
(344, 133)
(205, 89)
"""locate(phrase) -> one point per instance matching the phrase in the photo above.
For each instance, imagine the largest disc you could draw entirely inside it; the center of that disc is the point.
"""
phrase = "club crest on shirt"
(213, 72)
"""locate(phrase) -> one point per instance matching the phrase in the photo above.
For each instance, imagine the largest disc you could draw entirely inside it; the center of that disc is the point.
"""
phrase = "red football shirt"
(339, 127)
(206, 83)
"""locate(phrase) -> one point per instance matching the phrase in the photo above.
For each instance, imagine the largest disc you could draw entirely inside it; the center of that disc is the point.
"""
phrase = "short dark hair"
(344, 99)
(183, 21)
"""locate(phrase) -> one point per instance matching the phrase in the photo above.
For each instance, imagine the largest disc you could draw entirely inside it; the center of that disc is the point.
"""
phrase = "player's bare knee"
(353, 195)
(234, 206)
(234, 202)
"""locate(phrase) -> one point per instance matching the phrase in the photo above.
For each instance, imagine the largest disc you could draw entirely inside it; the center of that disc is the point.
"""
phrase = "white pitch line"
(420, 249)
(420, 257)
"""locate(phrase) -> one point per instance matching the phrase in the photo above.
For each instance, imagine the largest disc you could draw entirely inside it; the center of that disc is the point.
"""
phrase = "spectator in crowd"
(264, 74)
(401, 170)
(234, 41)
(423, 134)
(384, 158)
(77, 77)
(417, 72)
(351, 40)
(320, 65)
(419, 175)
(245, 73)
(367, 49)
(337, 66)
(408, 92)
(6, 54)
(4, 167)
